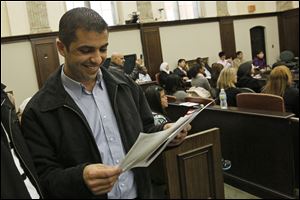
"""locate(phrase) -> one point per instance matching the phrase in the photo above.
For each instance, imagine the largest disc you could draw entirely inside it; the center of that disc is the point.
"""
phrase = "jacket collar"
(76, 87)
(3, 86)
(116, 67)
(53, 94)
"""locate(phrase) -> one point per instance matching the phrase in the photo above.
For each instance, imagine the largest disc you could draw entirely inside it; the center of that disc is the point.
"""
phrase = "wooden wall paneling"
(294, 122)
(227, 36)
(152, 51)
(45, 57)
(288, 27)
(188, 162)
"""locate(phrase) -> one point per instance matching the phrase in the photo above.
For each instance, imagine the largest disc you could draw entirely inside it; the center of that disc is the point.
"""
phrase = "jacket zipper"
(3, 102)
(91, 134)
(115, 96)
(15, 147)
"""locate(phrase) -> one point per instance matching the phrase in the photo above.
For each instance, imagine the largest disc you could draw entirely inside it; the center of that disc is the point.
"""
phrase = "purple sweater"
(259, 62)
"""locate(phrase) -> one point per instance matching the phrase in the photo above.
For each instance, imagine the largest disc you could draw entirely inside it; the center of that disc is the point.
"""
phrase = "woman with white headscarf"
(164, 73)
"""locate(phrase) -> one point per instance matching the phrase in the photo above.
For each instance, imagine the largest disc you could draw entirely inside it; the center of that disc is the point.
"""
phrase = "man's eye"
(85, 50)
(103, 50)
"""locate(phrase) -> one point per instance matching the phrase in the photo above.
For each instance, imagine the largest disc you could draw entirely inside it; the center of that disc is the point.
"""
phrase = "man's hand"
(185, 78)
(99, 178)
(180, 137)
(139, 62)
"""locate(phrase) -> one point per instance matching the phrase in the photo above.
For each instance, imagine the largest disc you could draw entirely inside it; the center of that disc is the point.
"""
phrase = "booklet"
(149, 145)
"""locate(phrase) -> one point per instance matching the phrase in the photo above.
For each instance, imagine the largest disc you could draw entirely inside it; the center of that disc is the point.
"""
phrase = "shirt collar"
(117, 66)
(76, 87)
(200, 75)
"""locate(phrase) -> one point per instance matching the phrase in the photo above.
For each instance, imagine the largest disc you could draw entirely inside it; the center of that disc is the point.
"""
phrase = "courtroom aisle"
(234, 193)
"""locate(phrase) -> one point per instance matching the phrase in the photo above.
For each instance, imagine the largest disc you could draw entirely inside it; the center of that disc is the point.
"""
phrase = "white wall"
(210, 8)
(55, 10)
(190, 42)
(155, 6)
(125, 42)
(125, 9)
(5, 27)
(270, 6)
(243, 42)
(260, 6)
(18, 71)
(241, 7)
(232, 7)
(18, 10)
(18, 18)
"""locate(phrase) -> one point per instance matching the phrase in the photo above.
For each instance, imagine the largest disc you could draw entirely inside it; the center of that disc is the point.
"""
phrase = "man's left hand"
(179, 137)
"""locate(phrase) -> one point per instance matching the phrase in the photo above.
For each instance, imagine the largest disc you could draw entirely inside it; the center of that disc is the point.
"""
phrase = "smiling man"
(80, 125)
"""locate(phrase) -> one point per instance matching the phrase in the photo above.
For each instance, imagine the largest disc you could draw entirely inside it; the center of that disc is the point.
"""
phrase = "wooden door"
(45, 57)
(288, 26)
(257, 35)
(151, 49)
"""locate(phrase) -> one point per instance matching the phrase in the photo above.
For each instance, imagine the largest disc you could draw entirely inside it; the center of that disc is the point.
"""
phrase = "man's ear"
(61, 47)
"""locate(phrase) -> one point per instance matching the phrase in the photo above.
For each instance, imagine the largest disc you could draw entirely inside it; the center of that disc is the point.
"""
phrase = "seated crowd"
(234, 76)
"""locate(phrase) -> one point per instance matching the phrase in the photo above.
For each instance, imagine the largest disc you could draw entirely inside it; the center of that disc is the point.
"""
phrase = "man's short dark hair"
(79, 18)
(180, 60)
(238, 53)
(221, 54)
(198, 60)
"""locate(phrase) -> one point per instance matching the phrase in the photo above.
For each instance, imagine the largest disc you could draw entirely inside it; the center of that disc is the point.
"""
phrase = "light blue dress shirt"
(98, 111)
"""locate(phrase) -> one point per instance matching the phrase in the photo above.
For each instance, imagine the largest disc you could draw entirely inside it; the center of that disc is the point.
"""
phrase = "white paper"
(148, 146)
(189, 104)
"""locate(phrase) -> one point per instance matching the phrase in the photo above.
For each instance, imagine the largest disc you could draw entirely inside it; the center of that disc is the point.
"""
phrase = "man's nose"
(97, 58)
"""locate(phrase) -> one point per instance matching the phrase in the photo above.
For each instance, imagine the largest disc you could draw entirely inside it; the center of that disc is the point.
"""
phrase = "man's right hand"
(100, 178)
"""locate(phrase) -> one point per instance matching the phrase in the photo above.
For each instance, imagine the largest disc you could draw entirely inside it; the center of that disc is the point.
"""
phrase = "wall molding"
(20, 38)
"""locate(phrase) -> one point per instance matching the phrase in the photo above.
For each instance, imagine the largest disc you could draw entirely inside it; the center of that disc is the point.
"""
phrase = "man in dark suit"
(180, 70)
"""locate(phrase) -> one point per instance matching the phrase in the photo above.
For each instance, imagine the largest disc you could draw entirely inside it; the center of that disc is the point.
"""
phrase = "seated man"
(180, 70)
(137, 70)
(143, 75)
(117, 61)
